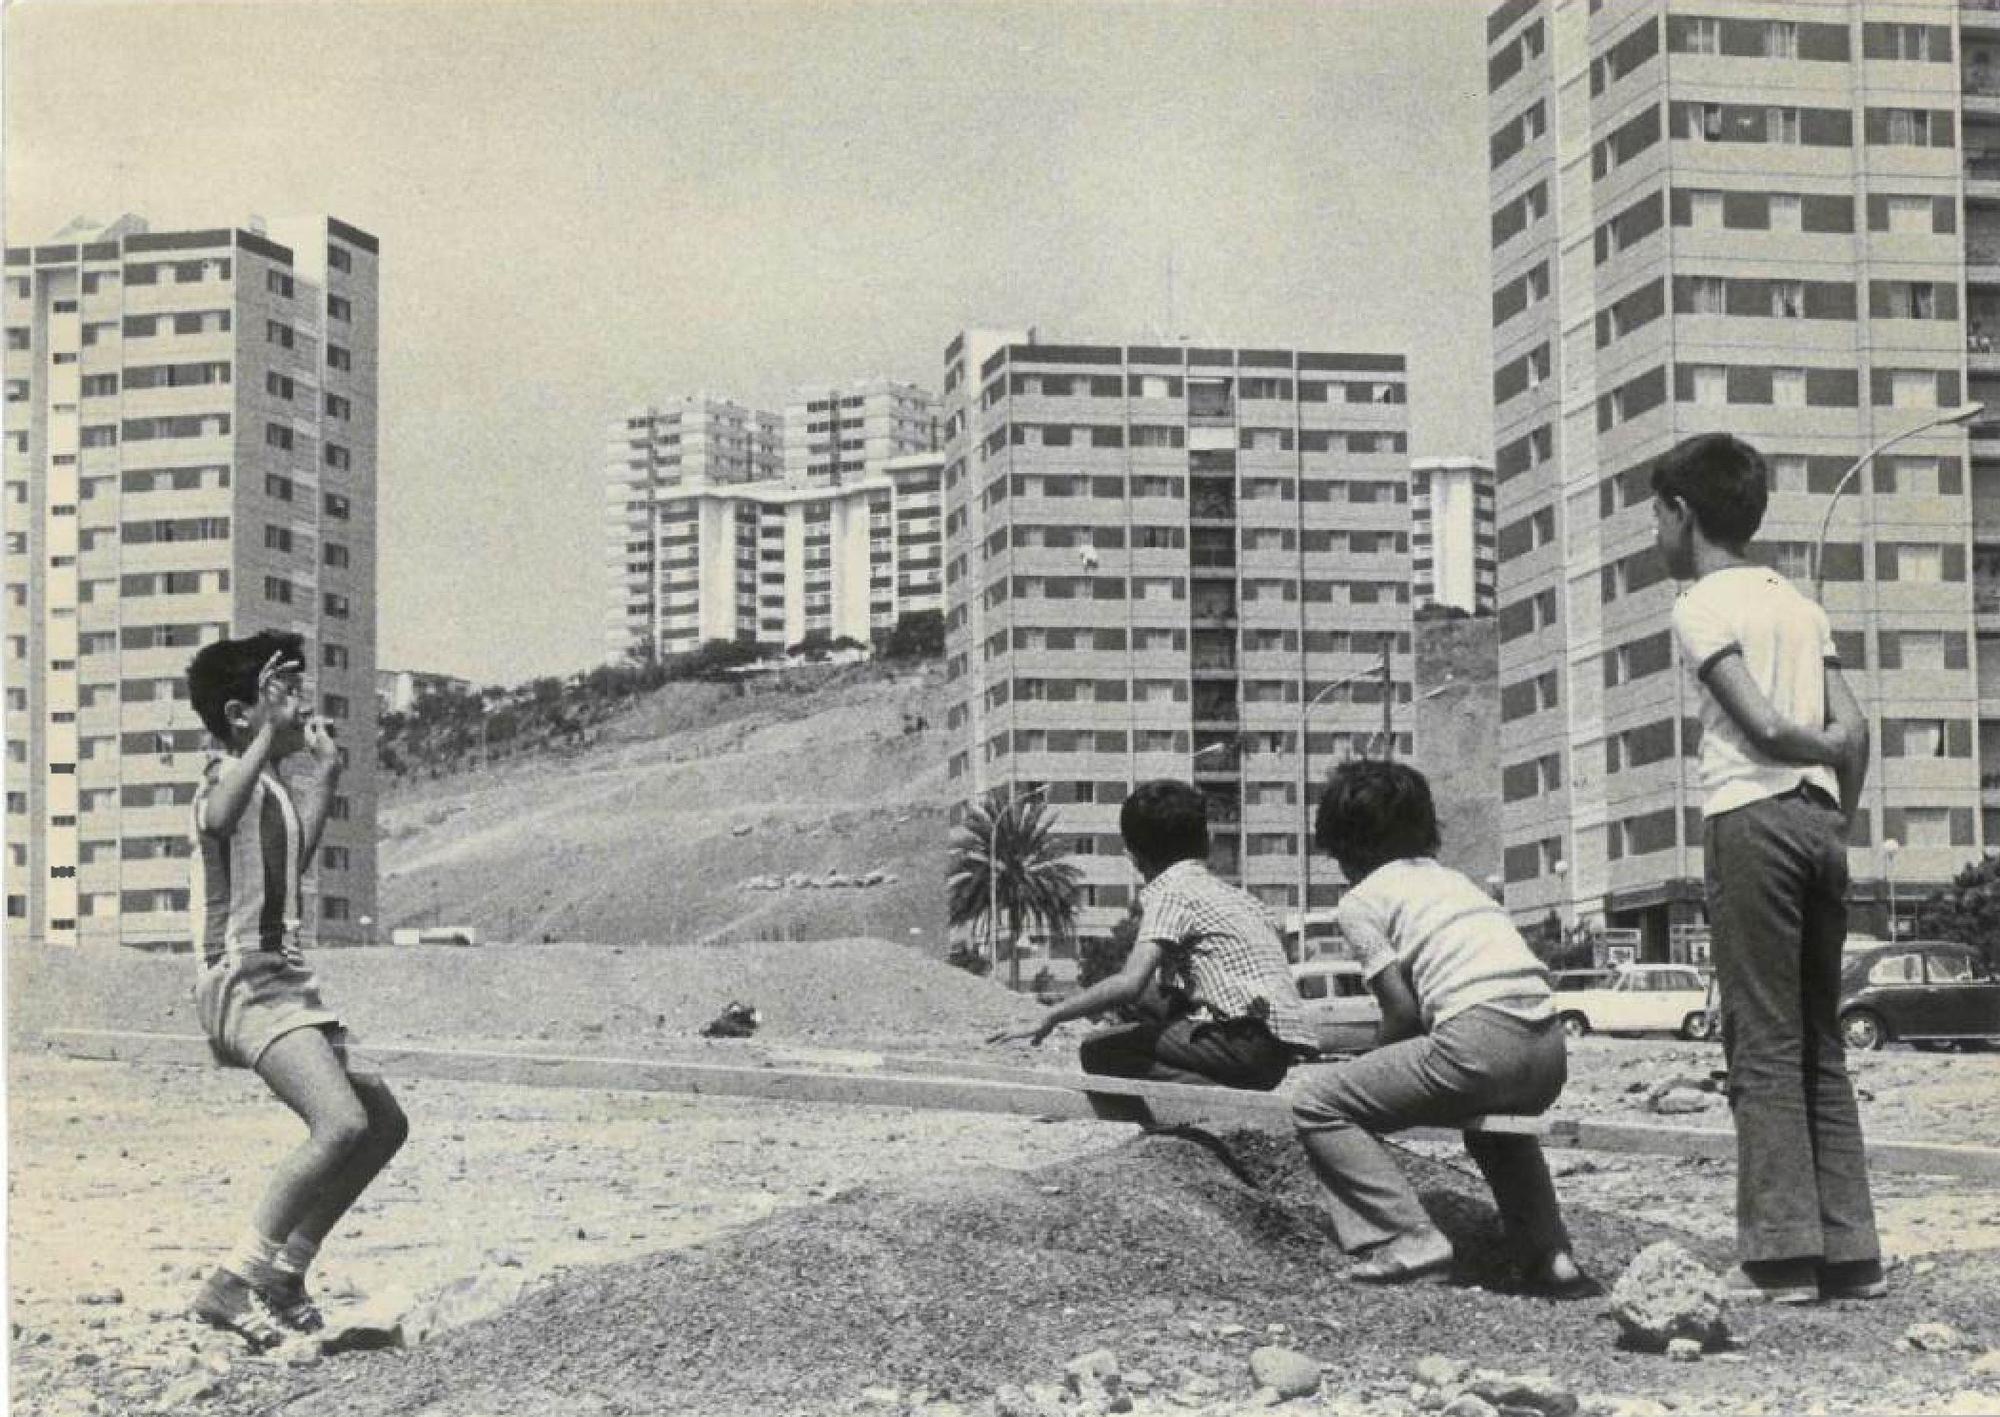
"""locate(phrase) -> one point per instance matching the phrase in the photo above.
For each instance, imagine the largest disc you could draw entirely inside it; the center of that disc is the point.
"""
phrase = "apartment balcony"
(1976, 15)
(1982, 258)
(1982, 174)
(1979, 85)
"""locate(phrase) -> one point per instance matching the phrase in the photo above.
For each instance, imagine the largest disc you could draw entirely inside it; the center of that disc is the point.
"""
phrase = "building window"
(1913, 388)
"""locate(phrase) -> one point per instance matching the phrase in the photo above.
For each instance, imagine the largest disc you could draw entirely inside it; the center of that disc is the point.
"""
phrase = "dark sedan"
(1929, 993)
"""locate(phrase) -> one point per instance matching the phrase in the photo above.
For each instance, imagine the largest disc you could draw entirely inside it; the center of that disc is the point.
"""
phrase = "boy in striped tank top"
(257, 1000)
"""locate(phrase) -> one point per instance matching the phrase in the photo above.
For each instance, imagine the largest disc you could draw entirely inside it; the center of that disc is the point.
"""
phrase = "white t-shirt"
(1455, 942)
(1786, 645)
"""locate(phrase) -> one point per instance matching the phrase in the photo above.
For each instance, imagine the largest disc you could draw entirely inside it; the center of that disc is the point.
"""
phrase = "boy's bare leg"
(388, 1128)
(303, 1069)
(308, 1075)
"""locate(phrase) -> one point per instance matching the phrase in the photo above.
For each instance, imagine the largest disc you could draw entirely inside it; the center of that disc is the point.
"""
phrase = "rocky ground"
(637, 1254)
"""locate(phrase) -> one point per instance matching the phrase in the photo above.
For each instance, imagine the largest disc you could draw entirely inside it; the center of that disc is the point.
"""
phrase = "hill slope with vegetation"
(809, 803)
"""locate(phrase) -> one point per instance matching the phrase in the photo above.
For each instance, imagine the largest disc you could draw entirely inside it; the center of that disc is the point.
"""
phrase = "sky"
(584, 207)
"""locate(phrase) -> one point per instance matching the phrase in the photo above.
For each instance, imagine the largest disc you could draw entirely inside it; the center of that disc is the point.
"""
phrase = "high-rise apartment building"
(773, 564)
(1167, 561)
(1452, 555)
(842, 432)
(651, 452)
(190, 452)
(1778, 220)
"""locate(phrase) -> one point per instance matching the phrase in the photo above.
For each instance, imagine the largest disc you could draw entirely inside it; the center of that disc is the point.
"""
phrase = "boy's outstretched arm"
(1121, 988)
(1844, 714)
(1767, 730)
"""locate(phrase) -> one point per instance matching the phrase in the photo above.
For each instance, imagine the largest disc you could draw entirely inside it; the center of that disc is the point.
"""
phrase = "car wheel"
(1575, 1025)
(1862, 1031)
(1695, 1027)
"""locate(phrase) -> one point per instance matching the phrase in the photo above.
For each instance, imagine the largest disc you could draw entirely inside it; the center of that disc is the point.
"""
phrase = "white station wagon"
(1641, 998)
(1340, 1007)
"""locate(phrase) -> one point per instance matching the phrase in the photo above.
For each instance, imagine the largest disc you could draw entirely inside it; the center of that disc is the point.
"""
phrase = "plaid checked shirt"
(1220, 950)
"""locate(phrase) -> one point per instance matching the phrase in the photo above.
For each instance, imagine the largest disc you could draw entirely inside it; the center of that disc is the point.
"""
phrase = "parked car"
(1641, 998)
(1929, 993)
(1339, 1005)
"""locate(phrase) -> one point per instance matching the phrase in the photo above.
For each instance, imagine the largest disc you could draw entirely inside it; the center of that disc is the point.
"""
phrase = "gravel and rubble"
(539, 1252)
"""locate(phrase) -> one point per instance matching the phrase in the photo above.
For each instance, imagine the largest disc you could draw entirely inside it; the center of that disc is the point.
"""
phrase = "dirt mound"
(975, 1278)
(847, 993)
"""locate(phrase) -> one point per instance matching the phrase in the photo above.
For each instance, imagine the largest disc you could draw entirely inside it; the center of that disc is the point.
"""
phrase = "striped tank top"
(243, 887)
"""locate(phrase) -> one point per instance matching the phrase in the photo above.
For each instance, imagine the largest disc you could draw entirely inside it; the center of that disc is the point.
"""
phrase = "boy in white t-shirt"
(1784, 753)
(1468, 1028)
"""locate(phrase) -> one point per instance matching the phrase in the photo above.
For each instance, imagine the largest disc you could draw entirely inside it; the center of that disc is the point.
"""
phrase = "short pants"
(246, 1002)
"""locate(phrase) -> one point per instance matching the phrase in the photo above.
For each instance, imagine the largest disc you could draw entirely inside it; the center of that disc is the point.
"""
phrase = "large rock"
(1664, 1294)
(1529, 1393)
(1469, 1404)
(1286, 1371)
(1093, 1379)
(468, 1298)
(1934, 1338)
(1436, 1370)
(1678, 1101)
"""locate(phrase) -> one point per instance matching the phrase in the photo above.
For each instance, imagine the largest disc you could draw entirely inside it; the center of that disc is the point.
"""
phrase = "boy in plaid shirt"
(1225, 1010)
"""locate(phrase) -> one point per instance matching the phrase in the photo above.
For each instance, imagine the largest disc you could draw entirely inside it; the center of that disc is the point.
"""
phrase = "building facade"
(843, 432)
(773, 564)
(397, 690)
(1774, 220)
(1453, 557)
(1173, 561)
(190, 453)
(651, 452)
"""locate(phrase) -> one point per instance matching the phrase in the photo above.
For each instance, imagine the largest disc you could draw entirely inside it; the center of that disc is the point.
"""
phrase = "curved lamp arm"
(1963, 414)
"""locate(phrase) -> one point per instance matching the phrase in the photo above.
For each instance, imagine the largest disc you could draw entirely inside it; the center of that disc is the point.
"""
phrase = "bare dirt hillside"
(798, 806)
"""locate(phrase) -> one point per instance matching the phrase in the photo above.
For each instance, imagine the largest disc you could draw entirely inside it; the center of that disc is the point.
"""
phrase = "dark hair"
(228, 669)
(1165, 821)
(1722, 480)
(1374, 812)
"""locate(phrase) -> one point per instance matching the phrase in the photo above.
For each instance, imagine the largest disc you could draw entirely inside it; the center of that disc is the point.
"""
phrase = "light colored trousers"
(1477, 1062)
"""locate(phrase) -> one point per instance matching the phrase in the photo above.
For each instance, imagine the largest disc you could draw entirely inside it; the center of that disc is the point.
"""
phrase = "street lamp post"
(1890, 846)
(1561, 869)
(1305, 796)
(1963, 414)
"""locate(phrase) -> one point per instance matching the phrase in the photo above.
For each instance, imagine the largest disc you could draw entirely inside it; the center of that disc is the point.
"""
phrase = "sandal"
(1389, 1268)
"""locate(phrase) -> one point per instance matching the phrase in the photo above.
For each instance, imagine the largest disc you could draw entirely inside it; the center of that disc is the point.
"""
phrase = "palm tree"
(1005, 852)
